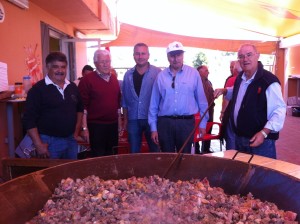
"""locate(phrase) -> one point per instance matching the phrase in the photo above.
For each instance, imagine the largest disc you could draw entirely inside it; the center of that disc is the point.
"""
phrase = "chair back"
(209, 126)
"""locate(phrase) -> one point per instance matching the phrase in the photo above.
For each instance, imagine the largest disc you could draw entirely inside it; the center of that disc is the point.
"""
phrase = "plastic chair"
(207, 137)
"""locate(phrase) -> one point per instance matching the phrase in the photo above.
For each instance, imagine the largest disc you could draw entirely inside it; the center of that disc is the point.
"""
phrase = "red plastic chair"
(213, 136)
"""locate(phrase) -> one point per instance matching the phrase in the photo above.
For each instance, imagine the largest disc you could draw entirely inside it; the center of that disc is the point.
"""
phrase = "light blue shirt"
(187, 98)
(276, 107)
(138, 106)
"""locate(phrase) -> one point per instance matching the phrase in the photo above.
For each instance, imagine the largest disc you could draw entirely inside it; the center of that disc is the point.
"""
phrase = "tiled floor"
(288, 144)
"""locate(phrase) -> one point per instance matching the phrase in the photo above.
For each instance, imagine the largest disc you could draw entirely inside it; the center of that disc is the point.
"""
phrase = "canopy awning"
(130, 35)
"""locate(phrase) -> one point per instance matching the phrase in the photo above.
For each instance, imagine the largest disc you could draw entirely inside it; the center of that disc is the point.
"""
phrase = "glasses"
(173, 82)
(248, 55)
(104, 62)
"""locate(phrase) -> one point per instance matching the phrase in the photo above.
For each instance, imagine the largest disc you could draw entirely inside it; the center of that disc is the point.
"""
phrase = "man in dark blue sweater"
(258, 110)
(53, 112)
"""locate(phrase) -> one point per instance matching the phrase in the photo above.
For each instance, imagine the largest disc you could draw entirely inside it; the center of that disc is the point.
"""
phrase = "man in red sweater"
(100, 92)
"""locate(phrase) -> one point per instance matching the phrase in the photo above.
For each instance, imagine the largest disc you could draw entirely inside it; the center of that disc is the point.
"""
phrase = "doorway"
(52, 40)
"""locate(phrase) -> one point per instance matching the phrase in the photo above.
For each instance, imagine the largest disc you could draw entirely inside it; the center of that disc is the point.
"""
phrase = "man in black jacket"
(258, 110)
(53, 112)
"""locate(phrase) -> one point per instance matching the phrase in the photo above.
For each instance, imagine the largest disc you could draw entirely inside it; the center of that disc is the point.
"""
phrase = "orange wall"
(81, 57)
(21, 28)
(294, 65)
(279, 68)
(293, 68)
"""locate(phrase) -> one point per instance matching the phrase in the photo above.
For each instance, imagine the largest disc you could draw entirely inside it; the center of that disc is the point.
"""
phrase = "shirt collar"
(48, 81)
(170, 72)
(106, 77)
(251, 79)
(134, 68)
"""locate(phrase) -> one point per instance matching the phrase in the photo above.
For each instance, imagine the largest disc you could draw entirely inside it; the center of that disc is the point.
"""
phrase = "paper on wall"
(3, 77)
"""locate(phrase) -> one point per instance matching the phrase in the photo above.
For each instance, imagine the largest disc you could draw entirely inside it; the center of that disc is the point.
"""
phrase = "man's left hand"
(257, 139)
(202, 132)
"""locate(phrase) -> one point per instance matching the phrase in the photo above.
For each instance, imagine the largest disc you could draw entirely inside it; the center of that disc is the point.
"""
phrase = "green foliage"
(200, 59)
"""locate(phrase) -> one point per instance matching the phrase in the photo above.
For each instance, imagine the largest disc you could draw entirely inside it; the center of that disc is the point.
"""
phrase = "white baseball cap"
(175, 46)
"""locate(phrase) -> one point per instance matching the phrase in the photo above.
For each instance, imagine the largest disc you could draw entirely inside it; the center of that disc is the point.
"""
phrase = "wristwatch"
(83, 128)
(264, 133)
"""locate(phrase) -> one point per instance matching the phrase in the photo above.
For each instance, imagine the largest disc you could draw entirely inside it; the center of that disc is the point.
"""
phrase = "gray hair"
(248, 45)
(100, 52)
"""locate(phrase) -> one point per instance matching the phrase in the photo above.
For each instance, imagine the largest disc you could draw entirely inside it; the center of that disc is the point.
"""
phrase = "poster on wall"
(2, 13)
(33, 63)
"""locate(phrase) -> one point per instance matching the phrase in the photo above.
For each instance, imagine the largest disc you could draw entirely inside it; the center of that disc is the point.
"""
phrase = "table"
(275, 164)
(10, 123)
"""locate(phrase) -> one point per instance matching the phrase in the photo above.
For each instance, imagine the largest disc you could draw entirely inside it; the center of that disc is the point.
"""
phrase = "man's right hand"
(221, 116)
(42, 151)
(154, 137)
(41, 148)
(219, 92)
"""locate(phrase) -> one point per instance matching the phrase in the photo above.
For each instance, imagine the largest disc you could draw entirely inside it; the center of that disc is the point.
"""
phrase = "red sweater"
(101, 99)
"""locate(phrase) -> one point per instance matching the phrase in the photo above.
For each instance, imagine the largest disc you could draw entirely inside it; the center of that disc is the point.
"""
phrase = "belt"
(179, 117)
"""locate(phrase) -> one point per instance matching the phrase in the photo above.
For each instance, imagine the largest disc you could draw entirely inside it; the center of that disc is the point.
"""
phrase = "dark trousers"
(103, 138)
(172, 133)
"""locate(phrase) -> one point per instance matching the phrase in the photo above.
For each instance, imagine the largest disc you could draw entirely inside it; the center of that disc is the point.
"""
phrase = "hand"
(154, 137)
(42, 151)
(84, 135)
(79, 138)
(257, 139)
(221, 116)
(219, 92)
(202, 132)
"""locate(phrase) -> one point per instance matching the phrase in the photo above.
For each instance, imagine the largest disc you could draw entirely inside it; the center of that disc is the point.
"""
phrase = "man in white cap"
(177, 95)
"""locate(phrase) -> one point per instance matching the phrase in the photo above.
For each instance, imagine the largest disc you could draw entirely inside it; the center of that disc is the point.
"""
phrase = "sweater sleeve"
(32, 108)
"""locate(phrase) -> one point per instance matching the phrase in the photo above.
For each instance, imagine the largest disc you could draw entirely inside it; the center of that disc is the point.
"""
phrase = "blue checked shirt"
(138, 107)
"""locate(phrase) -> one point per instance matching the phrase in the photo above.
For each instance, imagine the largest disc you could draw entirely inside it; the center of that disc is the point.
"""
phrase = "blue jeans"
(267, 148)
(61, 148)
(229, 136)
(135, 129)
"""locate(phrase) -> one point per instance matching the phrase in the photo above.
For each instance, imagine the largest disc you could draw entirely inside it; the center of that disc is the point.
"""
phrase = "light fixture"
(23, 4)
(79, 34)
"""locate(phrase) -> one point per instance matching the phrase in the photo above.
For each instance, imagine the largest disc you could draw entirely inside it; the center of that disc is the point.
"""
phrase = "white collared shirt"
(104, 76)
(48, 81)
